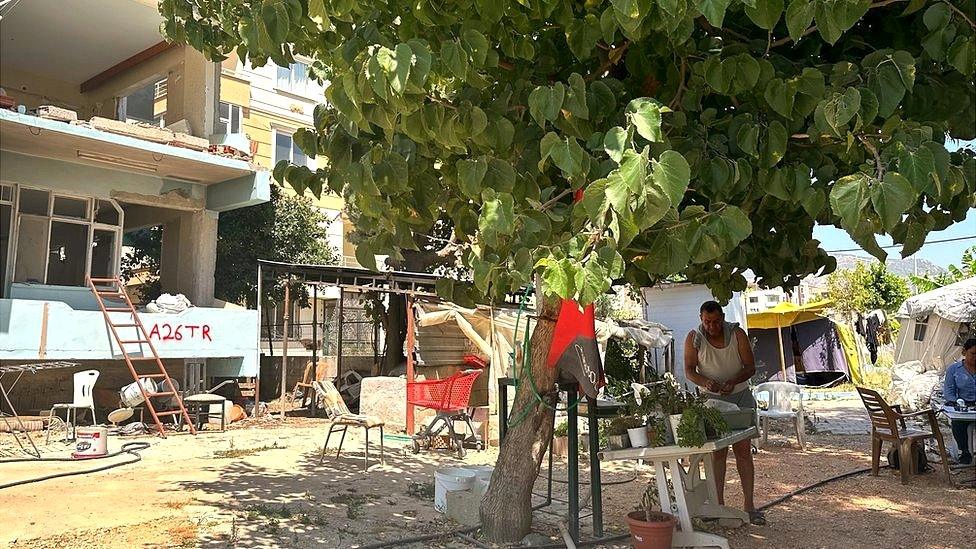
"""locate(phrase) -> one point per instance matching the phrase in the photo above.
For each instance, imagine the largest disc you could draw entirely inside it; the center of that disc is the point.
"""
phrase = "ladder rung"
(120, 309)
(169, 413)
(143, 358)
(128, 341)
(164, 393)
(151, 375)
(125, 325)
(109, 292)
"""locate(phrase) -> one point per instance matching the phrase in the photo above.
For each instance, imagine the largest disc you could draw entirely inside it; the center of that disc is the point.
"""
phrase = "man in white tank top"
(718, 358)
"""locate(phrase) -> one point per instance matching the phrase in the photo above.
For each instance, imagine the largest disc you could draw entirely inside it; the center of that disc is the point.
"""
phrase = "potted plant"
(697, 423)
(560, 440)
(636, 431)
(617, 432)
(650, 529)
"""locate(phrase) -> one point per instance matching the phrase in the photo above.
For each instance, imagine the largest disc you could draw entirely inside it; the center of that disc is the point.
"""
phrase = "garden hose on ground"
(131, 448)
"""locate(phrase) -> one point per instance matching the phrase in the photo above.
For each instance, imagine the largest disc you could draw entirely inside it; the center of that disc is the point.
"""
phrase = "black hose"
(799, 491)
(415, 539)
(131, 448)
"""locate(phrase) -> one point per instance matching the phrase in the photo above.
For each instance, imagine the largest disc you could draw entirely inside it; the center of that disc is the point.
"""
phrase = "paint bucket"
(450, 479)
(130, 394)
(90, 442)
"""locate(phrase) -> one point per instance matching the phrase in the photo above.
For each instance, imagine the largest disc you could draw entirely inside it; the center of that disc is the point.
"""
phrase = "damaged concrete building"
(71, 189)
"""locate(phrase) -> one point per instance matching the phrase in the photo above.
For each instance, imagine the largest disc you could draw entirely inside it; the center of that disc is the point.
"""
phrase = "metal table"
(18, 371)
(694, 495)
(574, 411)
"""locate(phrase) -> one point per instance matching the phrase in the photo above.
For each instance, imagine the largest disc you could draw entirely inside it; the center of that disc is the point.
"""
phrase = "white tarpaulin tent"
(935, 323)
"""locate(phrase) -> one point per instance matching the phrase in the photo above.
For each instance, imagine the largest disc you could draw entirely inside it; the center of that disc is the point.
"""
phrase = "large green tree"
(702, 137)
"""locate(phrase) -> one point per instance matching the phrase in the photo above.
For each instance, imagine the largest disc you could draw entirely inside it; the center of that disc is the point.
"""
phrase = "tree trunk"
(506, 510)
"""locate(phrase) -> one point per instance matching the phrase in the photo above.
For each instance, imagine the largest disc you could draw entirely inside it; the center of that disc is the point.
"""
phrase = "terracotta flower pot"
(656, 534)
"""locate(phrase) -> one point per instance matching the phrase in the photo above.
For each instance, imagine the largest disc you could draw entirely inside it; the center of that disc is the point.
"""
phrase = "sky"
(833, 239)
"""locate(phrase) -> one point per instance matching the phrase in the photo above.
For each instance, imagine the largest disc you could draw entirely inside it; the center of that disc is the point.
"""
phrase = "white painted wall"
(677, 305)
(199, 332)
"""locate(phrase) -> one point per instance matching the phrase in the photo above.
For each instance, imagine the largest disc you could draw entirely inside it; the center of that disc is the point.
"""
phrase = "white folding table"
(693, 495)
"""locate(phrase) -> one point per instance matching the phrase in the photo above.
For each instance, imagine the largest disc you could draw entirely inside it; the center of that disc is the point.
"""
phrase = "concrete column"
(189, 256)
(192, 92)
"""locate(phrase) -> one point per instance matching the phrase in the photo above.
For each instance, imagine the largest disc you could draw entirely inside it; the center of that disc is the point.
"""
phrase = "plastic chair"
(780, 406)
(84, 383)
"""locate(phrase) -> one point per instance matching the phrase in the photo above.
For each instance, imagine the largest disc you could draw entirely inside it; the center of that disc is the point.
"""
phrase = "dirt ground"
(260, 485)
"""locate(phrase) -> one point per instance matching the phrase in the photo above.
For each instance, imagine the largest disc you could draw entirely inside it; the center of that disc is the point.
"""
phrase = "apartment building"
(70, 189)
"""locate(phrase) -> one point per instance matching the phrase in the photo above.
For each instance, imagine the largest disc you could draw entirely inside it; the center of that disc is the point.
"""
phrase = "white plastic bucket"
(130, 394)
(90, 442)
(450, 479)
(481, 481)
(638, 437)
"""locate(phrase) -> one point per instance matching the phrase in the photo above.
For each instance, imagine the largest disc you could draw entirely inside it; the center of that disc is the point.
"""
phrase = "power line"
(956, 239)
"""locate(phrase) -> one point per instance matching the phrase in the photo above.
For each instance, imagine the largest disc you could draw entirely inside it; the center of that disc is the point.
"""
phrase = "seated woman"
(960, 383)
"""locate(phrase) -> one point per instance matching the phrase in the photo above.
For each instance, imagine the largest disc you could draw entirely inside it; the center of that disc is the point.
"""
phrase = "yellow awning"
(787, 314)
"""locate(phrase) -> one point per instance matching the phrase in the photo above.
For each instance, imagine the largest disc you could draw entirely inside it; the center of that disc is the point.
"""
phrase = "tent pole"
(782, 353)
(410, 366)
(284, 348)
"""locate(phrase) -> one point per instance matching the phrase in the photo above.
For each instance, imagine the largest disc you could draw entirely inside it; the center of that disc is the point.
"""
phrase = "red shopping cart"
(449, 398)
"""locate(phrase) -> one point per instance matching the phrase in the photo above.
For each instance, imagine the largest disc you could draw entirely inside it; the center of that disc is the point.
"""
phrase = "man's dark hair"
(969, 344)
(711, 307)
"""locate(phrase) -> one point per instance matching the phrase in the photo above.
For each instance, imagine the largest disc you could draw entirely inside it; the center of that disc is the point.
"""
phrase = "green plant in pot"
(698, 424)
(617, 431)
(649, 528)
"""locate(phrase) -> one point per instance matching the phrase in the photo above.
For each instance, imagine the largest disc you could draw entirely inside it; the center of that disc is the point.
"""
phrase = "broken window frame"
(50, 218)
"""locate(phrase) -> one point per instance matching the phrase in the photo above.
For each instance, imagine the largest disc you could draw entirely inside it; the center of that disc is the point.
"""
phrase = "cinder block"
(463, 506)
(51, 112)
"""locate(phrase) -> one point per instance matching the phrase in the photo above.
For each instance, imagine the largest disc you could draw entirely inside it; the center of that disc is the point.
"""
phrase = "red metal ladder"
(112, 288)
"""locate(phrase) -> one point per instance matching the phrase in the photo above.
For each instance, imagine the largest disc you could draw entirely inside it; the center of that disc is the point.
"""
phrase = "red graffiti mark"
(169, 332)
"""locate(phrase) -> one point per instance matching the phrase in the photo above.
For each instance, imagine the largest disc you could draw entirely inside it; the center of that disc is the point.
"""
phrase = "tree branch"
(961, 14)
(553, 200)
(813, 28)
(681, 85)
(877, 156)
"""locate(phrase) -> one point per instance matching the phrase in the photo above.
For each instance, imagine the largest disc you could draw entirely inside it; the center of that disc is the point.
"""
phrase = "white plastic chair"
(779, 396)
(84, 384)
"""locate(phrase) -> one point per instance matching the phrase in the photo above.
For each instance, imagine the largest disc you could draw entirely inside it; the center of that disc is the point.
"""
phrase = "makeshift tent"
(784, 331)
(935, 324)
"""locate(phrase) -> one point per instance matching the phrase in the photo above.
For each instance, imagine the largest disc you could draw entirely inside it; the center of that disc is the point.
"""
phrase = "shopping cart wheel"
(416, 446)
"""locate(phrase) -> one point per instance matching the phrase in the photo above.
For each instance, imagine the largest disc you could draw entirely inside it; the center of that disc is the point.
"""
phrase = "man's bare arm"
(746, 356)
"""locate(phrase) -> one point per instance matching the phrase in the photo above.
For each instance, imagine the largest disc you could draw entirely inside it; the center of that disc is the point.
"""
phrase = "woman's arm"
(949, 390)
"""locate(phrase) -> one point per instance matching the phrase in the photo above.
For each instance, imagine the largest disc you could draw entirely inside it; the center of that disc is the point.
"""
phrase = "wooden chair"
(341, 419)
(885, 421)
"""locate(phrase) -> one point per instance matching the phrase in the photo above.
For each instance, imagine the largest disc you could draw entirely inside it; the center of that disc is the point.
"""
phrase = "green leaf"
(913, 6)
(545, 103)
(835, 17)
(497, 217)
(780, 96)
(668, 253)
(477, 46)
(813, 201)
(713, 10)
(917, 166)
(582, 36)
(470, 175)
(889, 87)
(962, 55)
(811, 83)
(615, 142)
(318, 13)
(891, 198)
(937, 16)
(766, 13)
(799, 16)
(644, 115)
(774, 148)
(672, 173)
(575, 101)
(745, 72)
(905, 64)
(568, 155)
(365, 257)
(747, 138)
(307, 140)
(454, 58)
(838, 110)
(404, 59)
(848, 198)
(595, 202)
